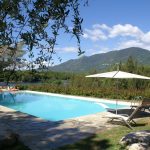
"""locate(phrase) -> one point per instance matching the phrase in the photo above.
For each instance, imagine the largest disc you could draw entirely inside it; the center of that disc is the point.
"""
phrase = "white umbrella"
(118, 75)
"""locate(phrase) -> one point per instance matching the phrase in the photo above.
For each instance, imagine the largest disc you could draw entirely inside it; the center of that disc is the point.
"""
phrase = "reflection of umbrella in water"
(118, 75)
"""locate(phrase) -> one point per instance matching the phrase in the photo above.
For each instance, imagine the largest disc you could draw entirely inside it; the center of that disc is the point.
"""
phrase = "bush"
(111, 93)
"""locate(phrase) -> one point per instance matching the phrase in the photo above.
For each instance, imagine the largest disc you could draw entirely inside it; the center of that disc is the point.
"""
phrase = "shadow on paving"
(41, 134)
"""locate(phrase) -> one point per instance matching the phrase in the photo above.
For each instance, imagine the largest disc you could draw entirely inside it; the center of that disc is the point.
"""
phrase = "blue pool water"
(52, 108)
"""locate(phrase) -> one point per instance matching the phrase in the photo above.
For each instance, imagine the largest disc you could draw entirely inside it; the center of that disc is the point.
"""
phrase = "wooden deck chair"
(144, 104)
(126, 119)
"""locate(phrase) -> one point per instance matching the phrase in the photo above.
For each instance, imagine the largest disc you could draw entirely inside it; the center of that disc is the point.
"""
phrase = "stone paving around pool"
(39, 134)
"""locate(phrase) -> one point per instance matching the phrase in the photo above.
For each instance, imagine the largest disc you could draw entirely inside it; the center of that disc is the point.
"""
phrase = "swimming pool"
(52, 107)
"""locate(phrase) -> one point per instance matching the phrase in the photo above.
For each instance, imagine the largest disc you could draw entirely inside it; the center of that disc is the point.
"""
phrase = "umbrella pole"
(117, 90)
(117, 99)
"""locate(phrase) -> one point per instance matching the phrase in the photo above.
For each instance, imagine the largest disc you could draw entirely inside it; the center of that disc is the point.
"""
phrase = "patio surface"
(40, 134)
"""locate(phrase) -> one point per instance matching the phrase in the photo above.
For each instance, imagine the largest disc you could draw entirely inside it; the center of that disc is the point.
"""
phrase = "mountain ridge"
(103, 60)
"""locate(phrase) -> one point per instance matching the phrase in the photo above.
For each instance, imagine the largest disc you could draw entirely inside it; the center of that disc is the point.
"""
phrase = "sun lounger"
(126, 119)
(144, 104)
(111, 109)
(136, 101)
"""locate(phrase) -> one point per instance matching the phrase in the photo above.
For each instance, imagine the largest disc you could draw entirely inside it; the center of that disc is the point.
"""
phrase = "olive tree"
(37, 23)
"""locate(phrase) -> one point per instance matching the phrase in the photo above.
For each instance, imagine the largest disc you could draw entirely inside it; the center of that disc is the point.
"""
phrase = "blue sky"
(108, 25)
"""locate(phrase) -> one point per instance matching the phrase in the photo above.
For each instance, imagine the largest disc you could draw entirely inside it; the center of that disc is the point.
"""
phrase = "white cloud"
(101, 50)
(125, 30)
(132, 36)
(130, 43)
(85, 35)
(146, 38)
(133, 43)
(97, 49)
(101, 26)
(94, 34)
(98, 31)
(66, 49)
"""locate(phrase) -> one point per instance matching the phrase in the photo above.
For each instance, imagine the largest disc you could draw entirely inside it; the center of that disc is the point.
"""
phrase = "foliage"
(8, 58)
(100, 92)
(37, 23)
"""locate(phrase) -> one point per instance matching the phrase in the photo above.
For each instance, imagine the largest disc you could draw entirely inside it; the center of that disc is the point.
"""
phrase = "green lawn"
(107, 140)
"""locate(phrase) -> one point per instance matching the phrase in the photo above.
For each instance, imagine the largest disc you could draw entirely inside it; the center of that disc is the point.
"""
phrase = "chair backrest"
(133, 113)
(145, 102)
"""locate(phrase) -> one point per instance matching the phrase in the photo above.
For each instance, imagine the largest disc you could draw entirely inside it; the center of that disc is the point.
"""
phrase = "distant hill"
(103, 60)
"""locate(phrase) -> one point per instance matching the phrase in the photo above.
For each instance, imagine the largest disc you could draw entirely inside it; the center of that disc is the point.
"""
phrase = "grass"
(109, 139)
